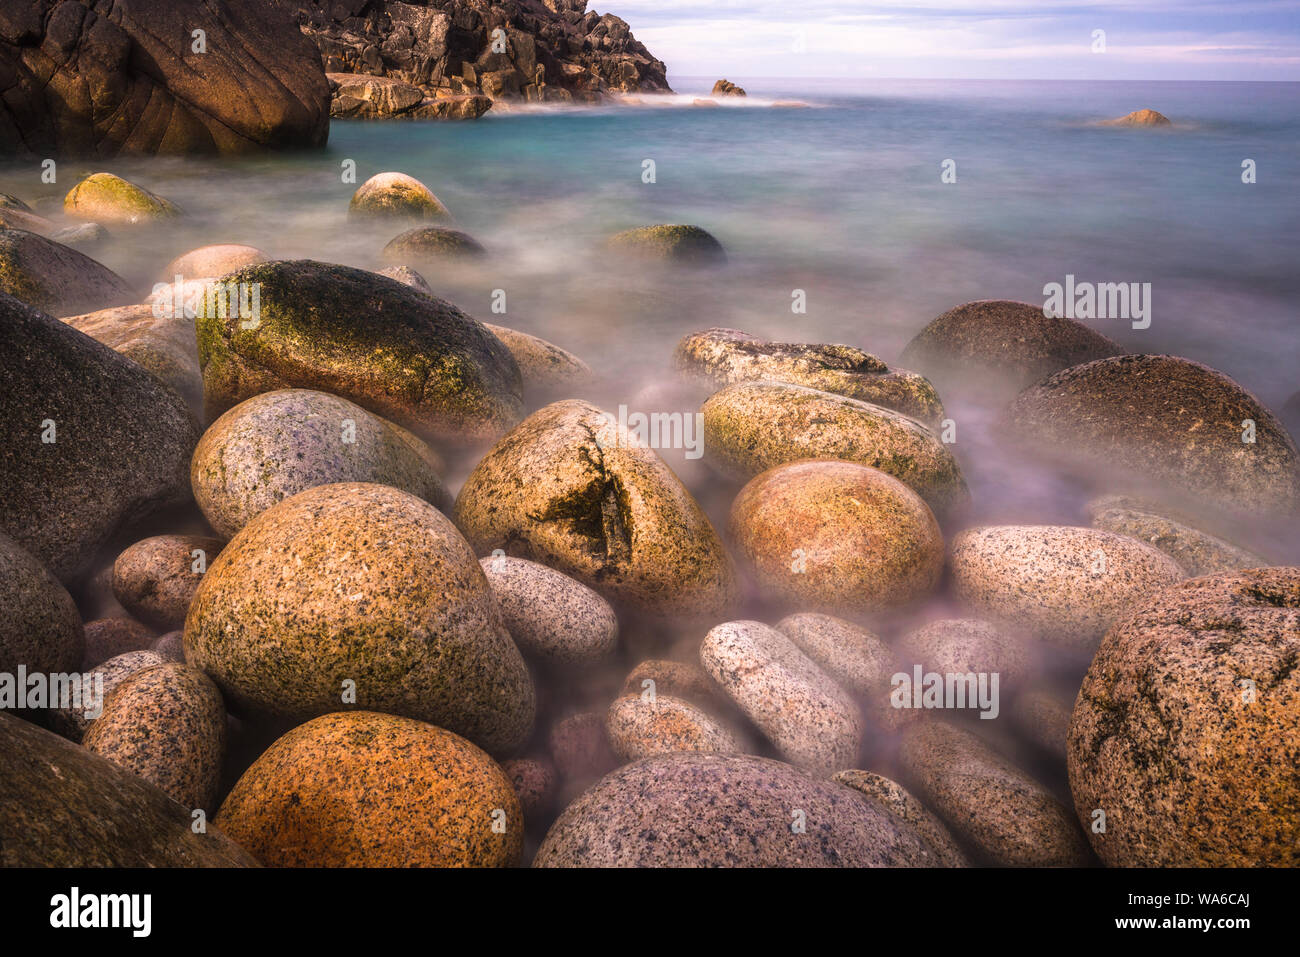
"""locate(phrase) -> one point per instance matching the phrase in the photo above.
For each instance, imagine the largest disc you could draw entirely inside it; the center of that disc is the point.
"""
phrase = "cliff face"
(555, 50)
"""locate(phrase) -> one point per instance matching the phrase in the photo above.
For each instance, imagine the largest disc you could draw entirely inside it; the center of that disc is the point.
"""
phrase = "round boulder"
(670, 243)
(395, 196)
(640, 726)
(428, 245)
(55, 278)
(551, 616)
(216, 260)
(105, 198)
(40, 627)
(155, 579)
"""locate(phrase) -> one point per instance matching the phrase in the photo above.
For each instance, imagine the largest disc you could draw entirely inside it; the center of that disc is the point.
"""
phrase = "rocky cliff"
(556, 50)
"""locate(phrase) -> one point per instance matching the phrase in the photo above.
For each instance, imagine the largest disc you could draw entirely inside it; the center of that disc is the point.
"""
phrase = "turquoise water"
(841, 198)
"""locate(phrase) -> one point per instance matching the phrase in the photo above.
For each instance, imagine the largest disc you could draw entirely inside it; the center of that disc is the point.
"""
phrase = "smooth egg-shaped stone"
(395, 196)
(642, 725)
(107, 198)
(551, 616)
(156, 578)
(40, 628)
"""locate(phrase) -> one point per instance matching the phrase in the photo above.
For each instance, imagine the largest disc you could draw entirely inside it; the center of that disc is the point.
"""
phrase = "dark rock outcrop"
(102, 77)
(727, 88)
(550, 51)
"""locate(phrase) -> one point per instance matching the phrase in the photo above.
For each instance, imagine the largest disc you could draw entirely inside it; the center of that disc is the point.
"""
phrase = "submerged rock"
(545, 367)
(641, 726)
(216, 260)
(429, 245)
(106, 198)
(678, 244)
(1140, 118)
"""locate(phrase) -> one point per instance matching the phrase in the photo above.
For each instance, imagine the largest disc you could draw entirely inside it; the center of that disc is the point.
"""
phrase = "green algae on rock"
(406, 356)
(722, 357)
(89, 441)
(55, 278)
(361, 789)
(751, 427)
(395, 196)
(1186, 731)
(425, 245)
(280, 443)
(62, 806)
(670, 243)
(569, 489)
(106, 198)
(381, 605)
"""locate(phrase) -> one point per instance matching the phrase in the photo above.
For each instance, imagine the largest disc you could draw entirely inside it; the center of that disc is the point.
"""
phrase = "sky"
(965, 39)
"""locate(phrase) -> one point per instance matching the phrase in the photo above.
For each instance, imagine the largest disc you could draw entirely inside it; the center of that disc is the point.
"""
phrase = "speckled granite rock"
(55, 278)
(215, 260)
(1139, 118)
(280, 443)
(857, 660)
(1043, 719)
(942, 850)
(166, 723)
(363, 789)
(395, 196)
(164, 344)
(155, 579)
(568, 489)
(1193, 766)
(122, 440)
(61, 806)
(106, 198)
(1197, 551)
(1004, 344)
(109, 637)
(171, 646)
(282, 620)
(670, 243)
(754, 426)
(966, 645)
(1164, 420)
(39, 624)
(429, 245)
(72, 722)
(534, 782)
(725, 810)
(545, 367)
(680, 679)
(551, 616)
(1063, 584)
(640, 726)
(724, 357)
(836, 537)
(401, 354)
(811, 720)
(1001, 812)
(408, 277)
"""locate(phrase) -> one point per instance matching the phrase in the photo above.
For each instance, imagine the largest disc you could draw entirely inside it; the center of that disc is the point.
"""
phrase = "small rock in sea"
(1161, 419)
(362, 789)
(699, 101)
(727, 88)
(382, 606)
(73, 721)
(215, 260)
(837, 537)
(1062, 584)
(545, 367)
(62, 806)
(156, 578)
(552, 617)
(106, 198)
(1042, 718)
(966, 646)
(109, 637)
(725, 810)
(754, 426)
(723, 357)
(1186, 732)
(533, 779)
(989, 803)
(1140, 118)
(670, 243)
(1198, 552)
(40, 627)
(88, 440)
(413, 359)
(56, 279)
(1004, 344)
(166, 723)
(640, 726)
(902, 805)
(164, 344)
(277, 444)
(396, 196)
(429, 245)
(811, 720)
(571, 490)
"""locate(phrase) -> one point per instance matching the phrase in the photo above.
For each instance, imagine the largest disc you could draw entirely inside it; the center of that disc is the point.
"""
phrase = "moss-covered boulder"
(395, 196)
(670, 243)
(411, 358)
(106, 198)
(754, 426)
(429, 245)
(569, 488)
(55, 278)
(721, 357)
